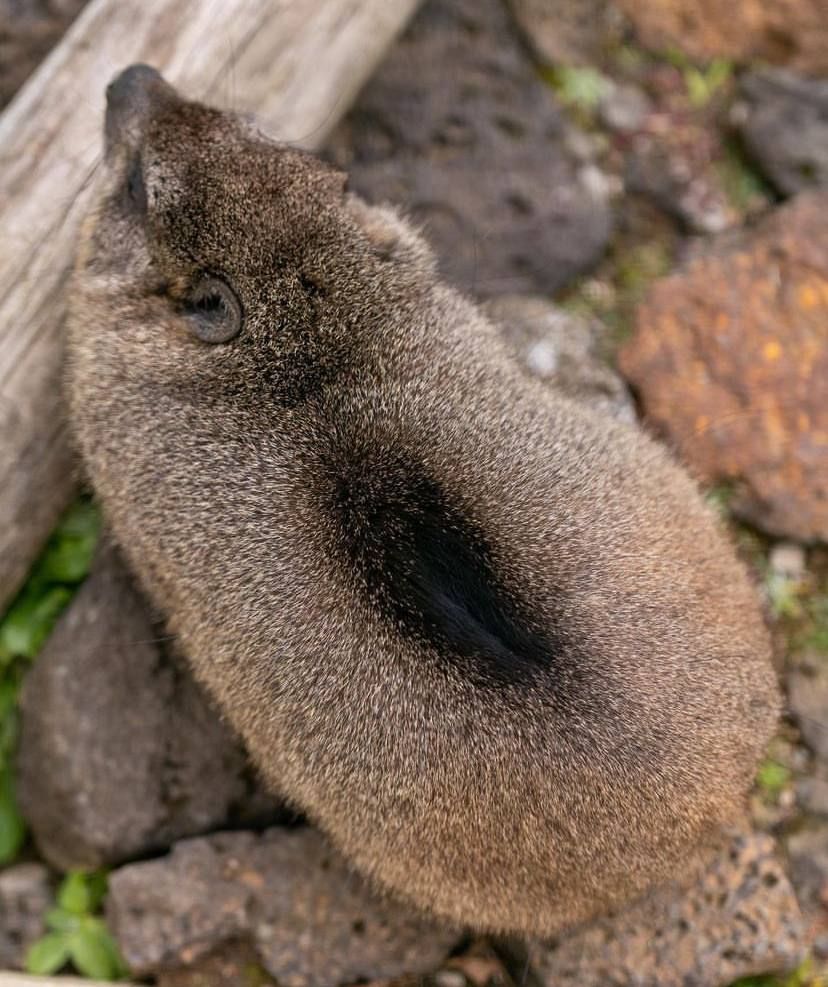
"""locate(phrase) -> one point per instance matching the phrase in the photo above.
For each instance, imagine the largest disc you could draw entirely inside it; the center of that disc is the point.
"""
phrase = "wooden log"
(11, 979)
(297, 64)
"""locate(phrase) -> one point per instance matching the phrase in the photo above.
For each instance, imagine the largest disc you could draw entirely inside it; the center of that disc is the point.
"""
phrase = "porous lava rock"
(738, 918)
(457, 127)
(312, 921)
(730, 358)
(784, 32)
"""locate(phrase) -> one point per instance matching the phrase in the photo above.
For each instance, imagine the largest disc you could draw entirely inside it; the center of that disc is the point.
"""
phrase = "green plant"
(580, 87)
(23, 629)
(76, 934)
(816, 634)
(784, 595)
(703, 84)
(743, 186)
(720, 497)
(772, 777)
(61, 567)
(803, 976)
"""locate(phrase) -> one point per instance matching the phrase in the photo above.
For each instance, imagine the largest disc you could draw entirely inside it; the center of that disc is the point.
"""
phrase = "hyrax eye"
(213, 311)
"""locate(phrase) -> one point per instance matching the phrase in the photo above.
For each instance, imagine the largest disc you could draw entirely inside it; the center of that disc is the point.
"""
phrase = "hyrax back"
(493, 644)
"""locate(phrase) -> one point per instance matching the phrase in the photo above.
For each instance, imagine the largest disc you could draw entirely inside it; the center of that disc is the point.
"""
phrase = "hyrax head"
(496, 646)
(206, 226)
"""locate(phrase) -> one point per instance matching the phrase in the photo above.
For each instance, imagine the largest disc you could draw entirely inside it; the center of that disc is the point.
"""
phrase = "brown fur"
(521, 802)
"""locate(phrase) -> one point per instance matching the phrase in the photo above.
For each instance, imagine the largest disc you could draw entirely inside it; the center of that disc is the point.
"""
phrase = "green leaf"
(68, 555)
(96, 883)
(578, 86)
(82, 892)
(94, 954)
(28, 623)
(59, 920)
(47, 955)
(8, 720)
(73, 895)
(772, 777)
(12, 827)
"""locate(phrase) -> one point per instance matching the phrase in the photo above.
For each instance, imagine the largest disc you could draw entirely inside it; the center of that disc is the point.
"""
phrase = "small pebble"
(787, 559)
(624, 108)
(449, 978)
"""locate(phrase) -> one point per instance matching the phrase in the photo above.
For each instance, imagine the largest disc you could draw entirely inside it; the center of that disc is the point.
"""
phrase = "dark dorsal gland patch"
(428, 568)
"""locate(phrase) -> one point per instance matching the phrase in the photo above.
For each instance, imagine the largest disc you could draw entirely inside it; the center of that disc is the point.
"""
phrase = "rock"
(569, 32)
(675, 170)
(808, 854)
(739, 918)
(730, 358)
(783, 32)
(458, 128)
(808, 701)
(120, 751)
(25, 896)
(786, 560)
(812, 791)
(235, 965)
(28, 30)
(564, 349)
(784, 126)
(313, 921)
(624, 108)
(672, 151)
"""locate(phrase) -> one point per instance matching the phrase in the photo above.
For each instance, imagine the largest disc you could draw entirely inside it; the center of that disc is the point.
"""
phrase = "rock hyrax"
(495, 645)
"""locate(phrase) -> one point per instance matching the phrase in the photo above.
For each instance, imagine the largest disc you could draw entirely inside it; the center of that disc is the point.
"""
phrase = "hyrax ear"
(392, 238)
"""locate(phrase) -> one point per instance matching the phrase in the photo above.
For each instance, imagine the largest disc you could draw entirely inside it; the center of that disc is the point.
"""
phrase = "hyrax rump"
(493, 644)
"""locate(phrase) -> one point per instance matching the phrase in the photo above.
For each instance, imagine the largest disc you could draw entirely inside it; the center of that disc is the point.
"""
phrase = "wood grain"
(11, 979)
(297, 64)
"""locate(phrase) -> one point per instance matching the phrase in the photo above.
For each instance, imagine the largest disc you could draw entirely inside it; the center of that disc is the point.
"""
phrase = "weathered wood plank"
(11, 979)
(296, 63)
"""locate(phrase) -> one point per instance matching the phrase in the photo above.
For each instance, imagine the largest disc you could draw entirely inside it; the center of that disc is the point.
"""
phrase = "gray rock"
(808, 854)
(624, 108)
(784, 126)
(459, 129)
(120, 751)
(25, 895)
(737, 918)
(812, 791)
(808, 700)
(312, 921)
(564, 349)
(681, 187)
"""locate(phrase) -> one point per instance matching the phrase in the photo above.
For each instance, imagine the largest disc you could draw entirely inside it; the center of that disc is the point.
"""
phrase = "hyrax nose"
(133, 87)
(130, 98)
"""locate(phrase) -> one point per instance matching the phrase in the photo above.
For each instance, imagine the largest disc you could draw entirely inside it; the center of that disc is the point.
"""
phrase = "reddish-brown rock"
(730, 358)
(785, 32)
